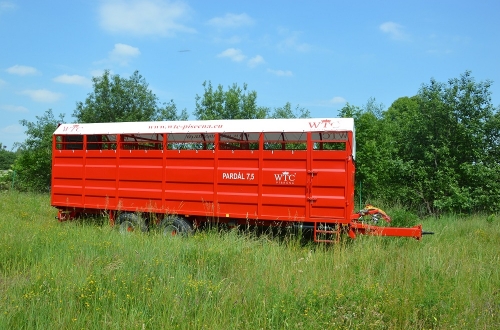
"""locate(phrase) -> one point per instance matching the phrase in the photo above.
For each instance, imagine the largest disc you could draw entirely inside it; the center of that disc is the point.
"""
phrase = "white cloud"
(125, 50)
(328, 103)
(22, 70)
(99, 73)
(123, 53)
(144, 17)
(42, 95)
(337, 100)
(235, 55)
(13, 108)
(291, 41)
(12, 129)
(231, 21)
(394, 30)
(72, 80)
(281, 73)
(439, 51)
(255, 61)
(2, 83)
(233, 40)
(230, 40)
(12, 134)
(6, 5)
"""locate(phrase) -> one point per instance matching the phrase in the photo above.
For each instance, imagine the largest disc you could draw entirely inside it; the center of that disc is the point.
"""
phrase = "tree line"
(435, 152)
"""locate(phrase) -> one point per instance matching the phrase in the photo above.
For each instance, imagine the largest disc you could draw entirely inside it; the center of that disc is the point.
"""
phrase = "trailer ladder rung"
(326, 235)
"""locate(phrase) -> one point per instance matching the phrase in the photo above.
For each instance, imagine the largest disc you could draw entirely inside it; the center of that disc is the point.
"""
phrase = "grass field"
(81, 275)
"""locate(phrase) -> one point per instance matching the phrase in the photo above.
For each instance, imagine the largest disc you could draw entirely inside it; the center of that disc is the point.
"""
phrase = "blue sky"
(314, 54)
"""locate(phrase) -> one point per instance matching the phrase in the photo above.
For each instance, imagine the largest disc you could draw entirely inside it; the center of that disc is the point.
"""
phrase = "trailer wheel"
(175, 226)
(131, 222)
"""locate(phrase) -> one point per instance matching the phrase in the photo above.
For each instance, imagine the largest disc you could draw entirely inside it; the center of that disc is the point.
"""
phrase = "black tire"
(175, 226)
(130, 222)
(126, 227)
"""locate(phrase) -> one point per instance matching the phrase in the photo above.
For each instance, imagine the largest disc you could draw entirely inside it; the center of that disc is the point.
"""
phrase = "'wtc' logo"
(72, 128)
(285, 178)
(324, 124)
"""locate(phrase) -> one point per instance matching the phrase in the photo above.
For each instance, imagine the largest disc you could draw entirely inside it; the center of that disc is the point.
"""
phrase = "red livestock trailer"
(275, 172)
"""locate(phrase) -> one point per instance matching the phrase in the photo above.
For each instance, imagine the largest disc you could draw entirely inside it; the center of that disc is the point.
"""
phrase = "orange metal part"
(365, 229)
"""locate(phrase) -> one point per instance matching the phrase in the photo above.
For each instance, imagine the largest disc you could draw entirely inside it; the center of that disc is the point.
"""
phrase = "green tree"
(446, 147)
(117, 99)
(33, 165)
(287, 112)
(239, 103)
(7, 158)
(234, 103)
(168, 111)
(372, 148)
(434, 152)
(407, 172)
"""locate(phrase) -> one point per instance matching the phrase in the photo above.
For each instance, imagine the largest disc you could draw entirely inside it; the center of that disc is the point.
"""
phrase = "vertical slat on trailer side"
(260, 175)
(163, 173)
(53, 157)
(309, 178)
(213, 207)
(118, 203)
(351, 169)
(84, 170)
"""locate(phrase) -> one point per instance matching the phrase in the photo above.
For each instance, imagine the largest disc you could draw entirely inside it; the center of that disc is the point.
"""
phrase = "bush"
(5, 179)
(401, 217)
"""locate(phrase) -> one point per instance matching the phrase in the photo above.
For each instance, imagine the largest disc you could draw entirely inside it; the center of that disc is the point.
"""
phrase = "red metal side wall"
(237, 184)
(189, 181)
(140, 180)
(100, 179)
(276, 185)
(67, 178)
(284, 184)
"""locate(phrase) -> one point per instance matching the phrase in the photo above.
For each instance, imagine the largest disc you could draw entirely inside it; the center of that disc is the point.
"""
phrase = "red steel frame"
(95, 170)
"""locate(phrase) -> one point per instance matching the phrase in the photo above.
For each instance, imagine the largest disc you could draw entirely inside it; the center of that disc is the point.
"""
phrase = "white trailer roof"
(211, 126)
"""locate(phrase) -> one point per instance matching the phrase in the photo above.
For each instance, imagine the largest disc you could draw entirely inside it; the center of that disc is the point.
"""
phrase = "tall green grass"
(82, 275)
